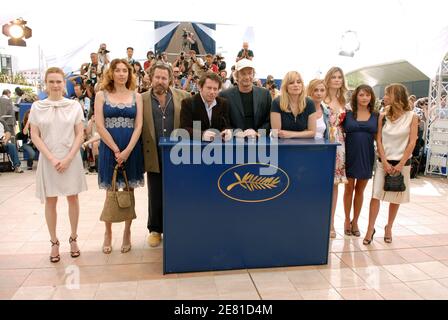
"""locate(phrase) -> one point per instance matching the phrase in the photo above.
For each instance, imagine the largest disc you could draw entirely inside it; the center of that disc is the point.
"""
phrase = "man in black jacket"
(249, 106)
(207, 108)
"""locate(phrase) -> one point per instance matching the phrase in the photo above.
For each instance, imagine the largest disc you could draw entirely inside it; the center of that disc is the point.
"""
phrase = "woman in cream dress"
(57, 132)
(396, 138)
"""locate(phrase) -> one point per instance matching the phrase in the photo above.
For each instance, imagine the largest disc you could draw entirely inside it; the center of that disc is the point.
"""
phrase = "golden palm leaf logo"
(252, 182)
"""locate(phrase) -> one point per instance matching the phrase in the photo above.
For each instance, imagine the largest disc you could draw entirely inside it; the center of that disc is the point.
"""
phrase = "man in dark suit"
(207, 108)
(249, 106)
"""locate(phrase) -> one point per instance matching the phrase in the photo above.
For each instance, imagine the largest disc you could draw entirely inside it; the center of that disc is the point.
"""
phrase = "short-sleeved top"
(56, 121)
(291, 123)
(359, 148)
(53, 118)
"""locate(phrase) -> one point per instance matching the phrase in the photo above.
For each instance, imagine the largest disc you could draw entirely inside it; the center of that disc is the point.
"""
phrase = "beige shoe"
(332, 234)
(154, 239)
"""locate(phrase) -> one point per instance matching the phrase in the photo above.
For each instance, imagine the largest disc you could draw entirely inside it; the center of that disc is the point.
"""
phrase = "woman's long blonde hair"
(398, 95)
(342, 92)
(284, 95)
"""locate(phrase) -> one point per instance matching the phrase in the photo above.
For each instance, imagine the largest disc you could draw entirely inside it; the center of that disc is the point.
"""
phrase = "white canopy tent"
(285, 35)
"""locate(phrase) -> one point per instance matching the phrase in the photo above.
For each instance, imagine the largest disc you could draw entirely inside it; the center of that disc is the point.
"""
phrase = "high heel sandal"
(366, 241)
(107, 249)
(387, 239)
(126, 247)
(74, 254)
(348, 232)
(58, 257)
(356, 233)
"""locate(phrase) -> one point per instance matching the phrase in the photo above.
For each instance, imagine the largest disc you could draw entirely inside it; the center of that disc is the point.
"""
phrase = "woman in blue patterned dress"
(119, 120)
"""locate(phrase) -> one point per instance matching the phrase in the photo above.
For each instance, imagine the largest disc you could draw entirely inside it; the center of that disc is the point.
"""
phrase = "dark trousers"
(155, 205)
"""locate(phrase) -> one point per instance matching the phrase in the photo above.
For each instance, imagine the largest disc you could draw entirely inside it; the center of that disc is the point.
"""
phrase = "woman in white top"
(316, 91)
(396, 138)
(57, 131)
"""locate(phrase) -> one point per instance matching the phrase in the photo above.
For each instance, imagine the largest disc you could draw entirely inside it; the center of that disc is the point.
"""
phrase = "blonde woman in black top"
(293, 115)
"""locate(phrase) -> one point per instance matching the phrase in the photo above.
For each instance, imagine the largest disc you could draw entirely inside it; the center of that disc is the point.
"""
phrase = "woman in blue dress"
(119, 120)
(361, 125)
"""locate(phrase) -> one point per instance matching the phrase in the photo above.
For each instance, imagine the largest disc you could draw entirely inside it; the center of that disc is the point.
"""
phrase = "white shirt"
(395, 136)
(320, 128)
(209, 108)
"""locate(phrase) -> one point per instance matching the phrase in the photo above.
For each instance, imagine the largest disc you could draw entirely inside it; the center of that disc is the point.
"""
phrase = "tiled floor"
(414, 266)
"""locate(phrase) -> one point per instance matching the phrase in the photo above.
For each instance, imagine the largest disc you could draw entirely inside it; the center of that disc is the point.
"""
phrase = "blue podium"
(229, 214)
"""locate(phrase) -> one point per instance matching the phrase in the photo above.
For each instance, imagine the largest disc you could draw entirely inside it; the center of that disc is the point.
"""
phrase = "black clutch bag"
(394, 183)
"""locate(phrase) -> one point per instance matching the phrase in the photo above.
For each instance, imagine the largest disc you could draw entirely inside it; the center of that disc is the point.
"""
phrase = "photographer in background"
(177, 78)
(164, 58)
(139, 75)
(209, 64)
(103, 58)
(150, 59)
(193, 43)
(226, 84)
(258, 83)
(181, 63)
(220, 62)
(129, 57)
(269, 81)
(92, 79)
(274, 91)
(185, 42)
(81, 97)
(245, 53)
(191, 84)
(196, 64)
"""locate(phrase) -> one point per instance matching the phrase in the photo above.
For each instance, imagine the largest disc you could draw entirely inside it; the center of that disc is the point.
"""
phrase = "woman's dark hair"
(354, 102)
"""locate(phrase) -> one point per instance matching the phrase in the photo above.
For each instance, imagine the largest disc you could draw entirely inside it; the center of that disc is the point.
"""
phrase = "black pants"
(155, 205)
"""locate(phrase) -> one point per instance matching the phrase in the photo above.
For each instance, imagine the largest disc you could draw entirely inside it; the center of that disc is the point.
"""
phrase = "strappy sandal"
(387, 239)
(356, 233)
(125, 247)
(107, 249)
(58, 257)
(74, 254)
(366, 241)
(348, 232)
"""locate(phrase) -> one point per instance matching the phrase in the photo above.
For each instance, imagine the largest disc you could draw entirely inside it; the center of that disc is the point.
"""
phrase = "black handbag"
(6, 166)
(394, 183)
